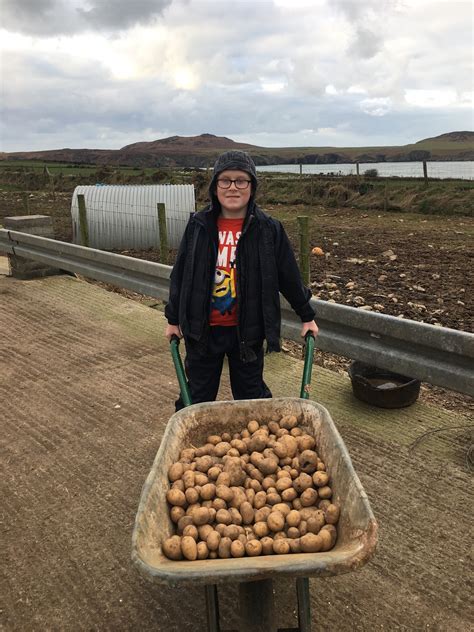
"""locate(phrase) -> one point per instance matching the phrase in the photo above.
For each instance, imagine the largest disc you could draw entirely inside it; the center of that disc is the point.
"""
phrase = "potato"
(258, 442)
(303, 527)
(281, 546)
(175, 471)
(188, 479)
(235, 516)
(283, 483)
(276, 521)
(224, 548)
(178, 485)
(290, 444)
(311, 543)
(288, 495)
(238, 496)
(260, 500)
(255, 485)
(223, 479)
(293, 518)
(176, 513)
(183, 522)
(202, 551)
(331, 513)
(187, 455)
(247, 512)
(268, 466)
(219, 503)
(224, 492)
(293, 532)
(204, 530)
(201, 515)
(325, 492)
(191, 530)
(213, 540)
(288, 422)
(283, 508)
(203, 463)
(326, 540)
(192, 495)
(321, 466)
(172, 548)
(296, 432)
(280, 450)
(260, 529)
(262, 514)
(295, 545)
(306, 442)
(220, 528)
(320, 479)
(213, 472)
(189, 547)
(232, 532)
(208, 491)
(304, 481)
(239, 445)
(273, 498)
(309, 497)
(237, 549)
(214, 439)
(267, 545)
(250, 495)
(267, 482)
(222, 448)
(324, 504)
(200, 479)
(176, 497)
(253, 426)
(332, 530)
(308, 461)
(223, 516)
(253, 548)
(297, 504)
(316, 522)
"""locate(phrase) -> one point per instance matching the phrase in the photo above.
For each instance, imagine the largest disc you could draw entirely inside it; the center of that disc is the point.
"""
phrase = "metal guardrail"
(438, 355)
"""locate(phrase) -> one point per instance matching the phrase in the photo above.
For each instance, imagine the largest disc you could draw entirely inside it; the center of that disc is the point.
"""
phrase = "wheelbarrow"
(357, 528)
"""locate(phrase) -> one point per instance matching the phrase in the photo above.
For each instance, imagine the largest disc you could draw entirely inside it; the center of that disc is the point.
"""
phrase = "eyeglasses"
(240, 183)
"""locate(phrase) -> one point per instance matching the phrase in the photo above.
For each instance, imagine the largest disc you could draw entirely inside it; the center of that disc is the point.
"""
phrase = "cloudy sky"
(105, 73)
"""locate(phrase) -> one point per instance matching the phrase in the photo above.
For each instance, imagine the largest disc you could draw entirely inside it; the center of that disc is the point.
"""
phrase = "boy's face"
(234, 200)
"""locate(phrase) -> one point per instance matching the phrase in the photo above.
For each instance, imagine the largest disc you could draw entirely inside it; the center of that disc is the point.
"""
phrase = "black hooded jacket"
(265, 265)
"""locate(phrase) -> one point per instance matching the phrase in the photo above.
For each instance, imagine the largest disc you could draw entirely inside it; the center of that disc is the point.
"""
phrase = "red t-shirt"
(224, 294)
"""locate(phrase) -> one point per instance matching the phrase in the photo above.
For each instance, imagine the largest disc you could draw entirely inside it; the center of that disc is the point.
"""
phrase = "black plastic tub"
(382, 388)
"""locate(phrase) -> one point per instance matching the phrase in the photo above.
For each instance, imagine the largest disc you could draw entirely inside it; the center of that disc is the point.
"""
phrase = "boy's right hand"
(173, 330)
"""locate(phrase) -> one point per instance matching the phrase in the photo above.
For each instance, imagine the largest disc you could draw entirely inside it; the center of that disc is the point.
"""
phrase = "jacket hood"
(233, 160)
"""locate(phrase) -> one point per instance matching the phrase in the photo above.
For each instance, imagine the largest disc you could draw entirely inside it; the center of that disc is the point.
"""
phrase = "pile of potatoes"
(262, 491)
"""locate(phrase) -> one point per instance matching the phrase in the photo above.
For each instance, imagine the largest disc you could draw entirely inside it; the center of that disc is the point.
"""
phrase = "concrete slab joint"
(41, 225)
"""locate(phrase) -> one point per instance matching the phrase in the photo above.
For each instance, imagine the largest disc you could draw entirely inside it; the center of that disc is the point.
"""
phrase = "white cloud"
(378, 71)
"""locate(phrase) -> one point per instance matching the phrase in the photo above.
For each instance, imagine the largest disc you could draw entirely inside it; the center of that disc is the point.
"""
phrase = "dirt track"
(87, 388)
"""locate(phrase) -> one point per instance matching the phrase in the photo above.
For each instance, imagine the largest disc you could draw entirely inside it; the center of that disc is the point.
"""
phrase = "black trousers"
(204, 371)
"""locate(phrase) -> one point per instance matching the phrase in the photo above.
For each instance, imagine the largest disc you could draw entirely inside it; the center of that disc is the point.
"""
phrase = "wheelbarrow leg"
(257, 612)
(212, 608)
(304, 605)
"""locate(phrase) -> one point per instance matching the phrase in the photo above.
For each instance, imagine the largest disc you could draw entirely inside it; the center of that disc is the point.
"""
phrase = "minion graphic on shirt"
(223, 295)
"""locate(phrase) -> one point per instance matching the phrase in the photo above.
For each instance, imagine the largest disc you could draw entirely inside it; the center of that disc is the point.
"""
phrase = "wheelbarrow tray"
(357, 528)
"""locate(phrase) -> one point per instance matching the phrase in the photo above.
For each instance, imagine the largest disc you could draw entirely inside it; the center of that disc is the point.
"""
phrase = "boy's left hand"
(309, 326)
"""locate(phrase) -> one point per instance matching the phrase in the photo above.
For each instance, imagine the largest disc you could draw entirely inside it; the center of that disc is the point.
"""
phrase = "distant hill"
(202, 150)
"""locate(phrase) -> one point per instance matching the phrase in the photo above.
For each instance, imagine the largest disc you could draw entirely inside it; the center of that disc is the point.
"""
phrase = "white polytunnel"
(126, 216)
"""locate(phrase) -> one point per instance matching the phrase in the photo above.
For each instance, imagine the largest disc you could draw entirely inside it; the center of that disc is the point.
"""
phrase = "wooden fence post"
(26, 203)
(301, 169)
(164, 251)
(357, 169)
(304, 248)
(425, 172)
(84, 228)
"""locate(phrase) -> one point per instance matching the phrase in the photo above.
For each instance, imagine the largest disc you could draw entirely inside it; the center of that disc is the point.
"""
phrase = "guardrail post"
(304, 248)
(164, 250)
(83, 225)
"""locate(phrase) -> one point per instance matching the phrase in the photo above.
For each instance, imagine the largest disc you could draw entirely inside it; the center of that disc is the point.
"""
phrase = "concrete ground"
(87, 387)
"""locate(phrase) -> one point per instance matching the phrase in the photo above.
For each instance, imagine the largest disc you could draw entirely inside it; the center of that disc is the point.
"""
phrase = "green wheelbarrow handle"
(183, 384)
(178, 365)
(308, 364)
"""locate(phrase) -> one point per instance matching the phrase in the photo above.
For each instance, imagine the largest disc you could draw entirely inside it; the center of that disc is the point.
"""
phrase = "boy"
(231, 265)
